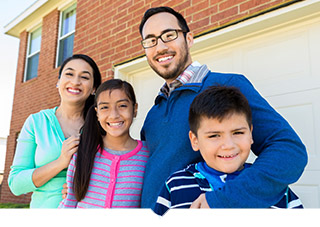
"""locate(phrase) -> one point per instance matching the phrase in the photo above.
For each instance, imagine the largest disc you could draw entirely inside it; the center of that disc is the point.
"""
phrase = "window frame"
(64, 10)
(29, 56)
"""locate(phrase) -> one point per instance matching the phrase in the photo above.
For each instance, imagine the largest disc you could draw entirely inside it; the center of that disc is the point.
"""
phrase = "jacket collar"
(194, 83)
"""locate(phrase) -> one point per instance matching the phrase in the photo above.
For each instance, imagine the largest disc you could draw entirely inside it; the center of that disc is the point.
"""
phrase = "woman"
(49, 138)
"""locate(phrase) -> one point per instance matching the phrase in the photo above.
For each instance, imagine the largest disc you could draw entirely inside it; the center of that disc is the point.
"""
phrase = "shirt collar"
(182, 79)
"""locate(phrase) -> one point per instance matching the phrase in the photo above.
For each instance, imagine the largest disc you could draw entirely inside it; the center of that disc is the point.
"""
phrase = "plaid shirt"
(182, 79)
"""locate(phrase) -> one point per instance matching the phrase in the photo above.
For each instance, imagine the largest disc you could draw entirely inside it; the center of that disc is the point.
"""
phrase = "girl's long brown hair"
(91, 138)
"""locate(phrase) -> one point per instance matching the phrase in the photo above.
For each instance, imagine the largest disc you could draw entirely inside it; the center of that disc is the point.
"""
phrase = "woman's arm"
(43, 174)
(23, 166)
(24, 177)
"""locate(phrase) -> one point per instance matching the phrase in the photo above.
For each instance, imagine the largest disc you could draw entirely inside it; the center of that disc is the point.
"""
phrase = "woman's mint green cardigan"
(39, 143)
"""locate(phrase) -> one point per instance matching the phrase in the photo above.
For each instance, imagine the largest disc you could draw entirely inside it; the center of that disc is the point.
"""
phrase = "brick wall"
(108, 32)
(33, 95)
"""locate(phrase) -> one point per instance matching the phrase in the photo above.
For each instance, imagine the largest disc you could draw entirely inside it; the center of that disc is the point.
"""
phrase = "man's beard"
(177, 70)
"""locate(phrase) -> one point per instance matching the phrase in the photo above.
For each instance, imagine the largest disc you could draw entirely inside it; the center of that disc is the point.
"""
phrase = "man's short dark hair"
(164, 9)
(218, 102)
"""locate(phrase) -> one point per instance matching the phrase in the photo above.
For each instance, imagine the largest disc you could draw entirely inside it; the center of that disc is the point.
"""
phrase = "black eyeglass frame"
(159, 36)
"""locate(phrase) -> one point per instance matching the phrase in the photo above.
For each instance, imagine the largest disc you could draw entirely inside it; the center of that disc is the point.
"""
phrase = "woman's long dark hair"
(91, 138)
(96, 77)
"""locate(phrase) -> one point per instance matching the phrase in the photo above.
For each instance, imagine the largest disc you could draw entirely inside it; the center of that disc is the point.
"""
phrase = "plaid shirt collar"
(182, 79)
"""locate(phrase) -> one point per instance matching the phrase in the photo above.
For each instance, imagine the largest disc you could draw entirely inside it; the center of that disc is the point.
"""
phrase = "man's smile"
(163, 59)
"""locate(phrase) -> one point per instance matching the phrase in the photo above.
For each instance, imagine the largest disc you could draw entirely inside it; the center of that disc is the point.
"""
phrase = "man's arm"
(281, 158)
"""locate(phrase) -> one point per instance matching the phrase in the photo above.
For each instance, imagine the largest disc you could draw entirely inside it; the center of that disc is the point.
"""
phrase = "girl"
(107, 170)
(49, 138)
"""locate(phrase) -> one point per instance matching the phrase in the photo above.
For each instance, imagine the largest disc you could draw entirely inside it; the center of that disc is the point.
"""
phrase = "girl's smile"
(115, 124)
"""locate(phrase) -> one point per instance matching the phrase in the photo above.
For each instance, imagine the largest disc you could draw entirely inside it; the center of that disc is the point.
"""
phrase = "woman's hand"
(64, 191)
(45, 173)
(69, 147)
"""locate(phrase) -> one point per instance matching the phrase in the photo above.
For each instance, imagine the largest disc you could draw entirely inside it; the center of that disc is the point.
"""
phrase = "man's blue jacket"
(281, 155)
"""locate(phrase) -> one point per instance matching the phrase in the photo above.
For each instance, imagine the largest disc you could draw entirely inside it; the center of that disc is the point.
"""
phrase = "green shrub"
(13, 205)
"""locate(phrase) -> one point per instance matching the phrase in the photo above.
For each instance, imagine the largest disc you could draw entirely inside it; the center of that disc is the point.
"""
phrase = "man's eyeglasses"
(165, 37)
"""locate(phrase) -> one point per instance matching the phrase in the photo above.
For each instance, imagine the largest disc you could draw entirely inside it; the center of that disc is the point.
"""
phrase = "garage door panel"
(146, 85)
(302, 110)
(277, 58)
(291, 60)
(303, 127)
(308, 190)
(314, 32)
(276, 62)
(218, 60)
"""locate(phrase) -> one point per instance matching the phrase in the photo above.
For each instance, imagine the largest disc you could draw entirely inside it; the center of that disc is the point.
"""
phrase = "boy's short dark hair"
(218, 102)
(164, 9)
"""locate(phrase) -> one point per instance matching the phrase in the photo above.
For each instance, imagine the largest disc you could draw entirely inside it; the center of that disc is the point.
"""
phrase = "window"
(33, 52)
(66, 34)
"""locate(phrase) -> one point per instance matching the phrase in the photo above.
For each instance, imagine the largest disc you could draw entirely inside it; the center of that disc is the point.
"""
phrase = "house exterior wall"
(33, 95)
(108, 32)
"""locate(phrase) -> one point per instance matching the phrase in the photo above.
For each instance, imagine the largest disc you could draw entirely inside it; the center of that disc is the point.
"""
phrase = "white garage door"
(280, 55)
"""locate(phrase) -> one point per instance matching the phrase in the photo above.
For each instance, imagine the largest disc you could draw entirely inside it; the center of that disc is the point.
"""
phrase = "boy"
(222, 131)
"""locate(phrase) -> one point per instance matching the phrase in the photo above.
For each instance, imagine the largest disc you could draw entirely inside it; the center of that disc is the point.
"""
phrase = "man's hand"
(64, 190)
(200, 202)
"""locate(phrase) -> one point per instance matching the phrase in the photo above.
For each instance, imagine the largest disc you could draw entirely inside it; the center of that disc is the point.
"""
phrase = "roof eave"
(32, 16)
(19, 23)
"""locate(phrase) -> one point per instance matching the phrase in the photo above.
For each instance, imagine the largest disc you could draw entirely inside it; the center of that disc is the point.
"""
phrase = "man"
(281, 155)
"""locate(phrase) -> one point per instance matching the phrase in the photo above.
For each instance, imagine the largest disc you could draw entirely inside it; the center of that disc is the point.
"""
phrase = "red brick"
(252, 4)
(215, 2)
(205, 13)
(198, 24)
(224, 14)
(233, 18)
(199, 6)
(182, 6)
(229, 4)
(265, 6)
(136, 6)
(124, 6)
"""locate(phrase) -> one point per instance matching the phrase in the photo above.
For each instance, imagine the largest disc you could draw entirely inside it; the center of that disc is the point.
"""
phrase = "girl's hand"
(69, 147)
